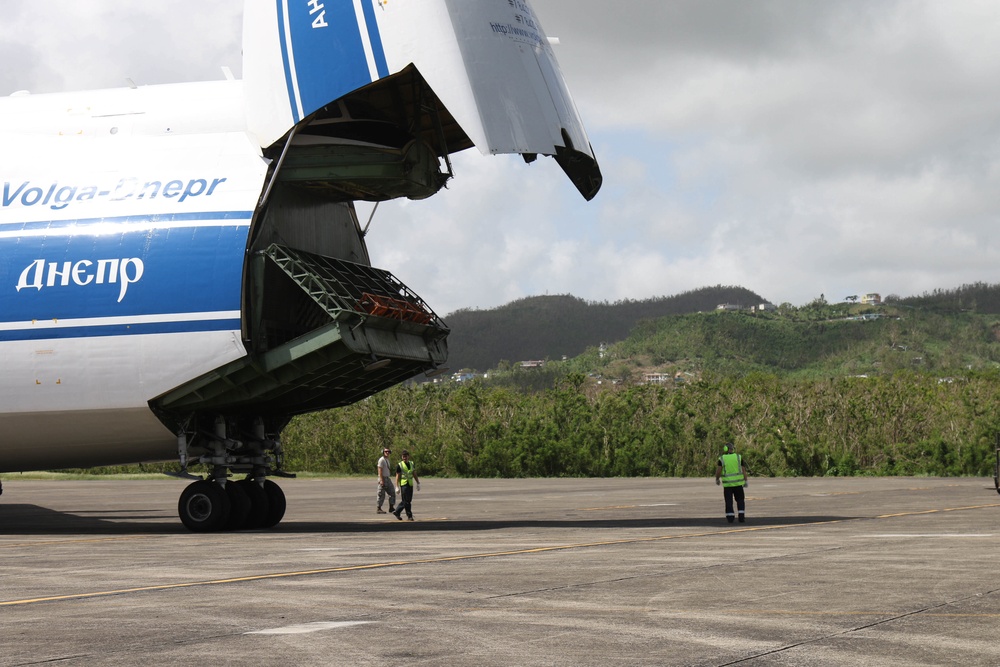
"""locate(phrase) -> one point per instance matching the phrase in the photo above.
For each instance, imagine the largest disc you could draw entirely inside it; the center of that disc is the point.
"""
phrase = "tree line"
(904, 424)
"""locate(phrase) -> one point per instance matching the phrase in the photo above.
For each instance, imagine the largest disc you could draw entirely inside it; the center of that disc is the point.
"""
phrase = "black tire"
(258, 503)
(275, 504)
(239, 506)
(203, 507)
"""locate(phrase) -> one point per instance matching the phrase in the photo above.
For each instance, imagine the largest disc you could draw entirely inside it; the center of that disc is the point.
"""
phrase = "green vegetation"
(902, 424)
(821, 390)
(793, 344)
(908, 388)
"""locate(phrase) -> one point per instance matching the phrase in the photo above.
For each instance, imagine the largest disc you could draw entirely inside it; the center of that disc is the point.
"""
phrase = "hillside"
(981, 298)
(838, 344)
(550, 327)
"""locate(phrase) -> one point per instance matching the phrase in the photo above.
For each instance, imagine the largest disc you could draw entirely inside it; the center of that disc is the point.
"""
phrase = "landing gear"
(217, 503)
(239, 506)
(257, 513)
(275, 504)
(204, 507)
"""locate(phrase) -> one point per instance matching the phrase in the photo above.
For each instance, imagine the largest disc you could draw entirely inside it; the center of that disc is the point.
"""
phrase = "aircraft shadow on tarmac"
(23, 519)
(462, 525)
(35, 520)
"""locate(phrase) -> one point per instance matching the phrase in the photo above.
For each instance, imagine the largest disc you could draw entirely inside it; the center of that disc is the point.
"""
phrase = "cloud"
(794, 148)
(64, 45)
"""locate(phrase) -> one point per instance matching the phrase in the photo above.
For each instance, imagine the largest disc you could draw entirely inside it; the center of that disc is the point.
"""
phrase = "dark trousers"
(731, 492)
(406, 497)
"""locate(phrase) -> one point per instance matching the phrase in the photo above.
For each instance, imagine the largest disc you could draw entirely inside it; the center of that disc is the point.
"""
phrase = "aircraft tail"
(487, 62)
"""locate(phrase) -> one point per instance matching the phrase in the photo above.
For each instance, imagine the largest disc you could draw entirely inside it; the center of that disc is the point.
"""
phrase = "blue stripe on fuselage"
(323, 53)
(139, 274)
(378, 50)
(134, 329)
(286, 61)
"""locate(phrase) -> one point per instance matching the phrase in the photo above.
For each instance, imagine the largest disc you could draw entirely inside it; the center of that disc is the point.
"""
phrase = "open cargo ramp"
(328, 332)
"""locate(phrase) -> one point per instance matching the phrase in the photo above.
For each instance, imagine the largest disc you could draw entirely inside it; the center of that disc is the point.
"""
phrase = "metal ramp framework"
(357, 330)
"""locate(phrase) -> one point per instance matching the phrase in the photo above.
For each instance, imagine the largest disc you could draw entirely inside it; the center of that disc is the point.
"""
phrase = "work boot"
(380, 511)
(742, 519)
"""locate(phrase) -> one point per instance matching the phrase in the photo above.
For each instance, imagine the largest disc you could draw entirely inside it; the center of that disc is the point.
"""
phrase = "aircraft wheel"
(203, 507)
(275, 503)
(239, 510)
(258, 504)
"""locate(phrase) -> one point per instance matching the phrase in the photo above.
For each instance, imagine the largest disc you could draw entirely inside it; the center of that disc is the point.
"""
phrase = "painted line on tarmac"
(837, 493)
(922, 535)
(794, 612)
(624, 507)
(306, 628)
(746, 612)
(464, 557)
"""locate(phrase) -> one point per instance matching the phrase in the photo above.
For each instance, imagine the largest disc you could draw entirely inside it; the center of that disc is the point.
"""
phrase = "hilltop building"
(872, 299)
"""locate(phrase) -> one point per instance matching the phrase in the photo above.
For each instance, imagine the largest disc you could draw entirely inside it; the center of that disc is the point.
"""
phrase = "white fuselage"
(123, 229)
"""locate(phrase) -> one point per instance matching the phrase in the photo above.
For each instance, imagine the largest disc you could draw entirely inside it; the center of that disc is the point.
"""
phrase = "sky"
(796, 149)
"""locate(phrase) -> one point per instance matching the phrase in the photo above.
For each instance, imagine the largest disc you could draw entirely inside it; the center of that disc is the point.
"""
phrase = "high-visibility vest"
(407, 476)
(732, 469)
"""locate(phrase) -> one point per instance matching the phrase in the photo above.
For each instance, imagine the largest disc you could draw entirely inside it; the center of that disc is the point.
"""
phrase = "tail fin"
(487, 61)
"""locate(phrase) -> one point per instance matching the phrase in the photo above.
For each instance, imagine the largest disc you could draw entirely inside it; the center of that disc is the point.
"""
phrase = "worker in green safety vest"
(732, 474)
(405, 479)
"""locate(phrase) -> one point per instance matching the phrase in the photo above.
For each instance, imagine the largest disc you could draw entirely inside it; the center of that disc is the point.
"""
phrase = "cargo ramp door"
(325, 333)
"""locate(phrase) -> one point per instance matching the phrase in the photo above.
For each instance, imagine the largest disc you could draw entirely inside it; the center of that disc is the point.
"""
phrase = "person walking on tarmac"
(405, 478)
(385, 487)
(732, 474)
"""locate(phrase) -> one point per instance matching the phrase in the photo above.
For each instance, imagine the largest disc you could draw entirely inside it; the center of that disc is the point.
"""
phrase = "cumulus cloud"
(792, 148)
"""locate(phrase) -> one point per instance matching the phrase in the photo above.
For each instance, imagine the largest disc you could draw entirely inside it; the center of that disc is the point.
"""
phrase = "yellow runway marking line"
(462, 557)
(837, 493)
(946, 509)
(626, 507)
(603, 611)
(790, 612)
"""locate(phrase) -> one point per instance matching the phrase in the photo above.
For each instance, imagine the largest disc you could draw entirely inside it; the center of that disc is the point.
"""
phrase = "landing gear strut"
(217, 503)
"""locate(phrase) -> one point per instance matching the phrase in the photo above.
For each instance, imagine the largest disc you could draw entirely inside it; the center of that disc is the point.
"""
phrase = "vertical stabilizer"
(488, 61)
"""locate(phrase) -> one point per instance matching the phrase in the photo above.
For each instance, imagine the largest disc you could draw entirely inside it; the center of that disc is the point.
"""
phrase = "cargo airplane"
(183, 268)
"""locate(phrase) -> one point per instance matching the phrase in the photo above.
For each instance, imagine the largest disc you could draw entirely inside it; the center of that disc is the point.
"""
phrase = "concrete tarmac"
(833, 571)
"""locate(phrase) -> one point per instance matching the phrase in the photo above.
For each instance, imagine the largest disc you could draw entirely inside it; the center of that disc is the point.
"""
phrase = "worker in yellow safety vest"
(732, 474)
(405, 479)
